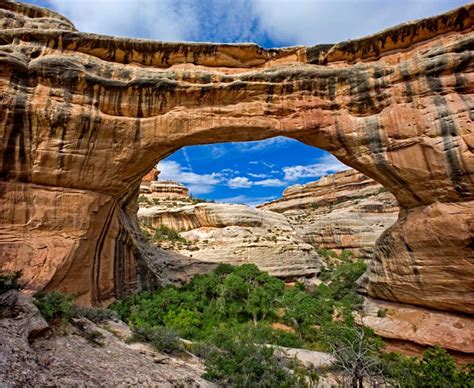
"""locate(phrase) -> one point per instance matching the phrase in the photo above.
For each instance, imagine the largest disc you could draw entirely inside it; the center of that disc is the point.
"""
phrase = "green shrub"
(143, 200)
(239, 361)
(345, 255)
(94, 337)
(10, 281)
(327, 253)
(196, 200)
(344, 277)
(236, 296)
(55, 305)
(96, 314)
(436, 369)
(163, 233)
(161, 338)
(228, 313)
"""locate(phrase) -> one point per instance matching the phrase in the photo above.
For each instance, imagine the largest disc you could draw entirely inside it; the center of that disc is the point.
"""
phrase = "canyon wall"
(343, 211)
(235, 234)
(84, 117)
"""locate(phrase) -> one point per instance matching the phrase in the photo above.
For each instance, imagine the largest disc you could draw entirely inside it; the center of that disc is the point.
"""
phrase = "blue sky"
(252, 172)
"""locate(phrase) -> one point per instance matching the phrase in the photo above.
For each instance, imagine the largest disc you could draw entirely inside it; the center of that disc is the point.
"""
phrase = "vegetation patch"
(435, 369)
(58, 307)
(164, 233)
(161, 338)
(10, 281)
(228, 315)
(94, 337)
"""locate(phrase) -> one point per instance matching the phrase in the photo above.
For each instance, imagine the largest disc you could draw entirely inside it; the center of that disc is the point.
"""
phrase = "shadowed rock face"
(84, 117)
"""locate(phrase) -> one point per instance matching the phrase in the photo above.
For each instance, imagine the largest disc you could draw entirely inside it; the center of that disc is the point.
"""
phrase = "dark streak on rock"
(377, 149)
(407, 82)
(317, 55)
(448, 128)
(18, 122)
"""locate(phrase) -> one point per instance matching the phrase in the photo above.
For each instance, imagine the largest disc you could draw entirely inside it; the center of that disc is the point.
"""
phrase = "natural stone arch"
(86, 116)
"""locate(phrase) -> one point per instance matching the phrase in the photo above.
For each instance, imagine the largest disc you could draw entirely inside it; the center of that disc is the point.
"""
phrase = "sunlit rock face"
(84, 117)
(343, 211)
(236, 234)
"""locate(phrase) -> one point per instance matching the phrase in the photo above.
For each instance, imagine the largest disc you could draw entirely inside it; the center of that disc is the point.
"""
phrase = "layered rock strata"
(237, 234)
(164, 190)
(152, 188)
(343, 211)
(84, 117)
(404, 324)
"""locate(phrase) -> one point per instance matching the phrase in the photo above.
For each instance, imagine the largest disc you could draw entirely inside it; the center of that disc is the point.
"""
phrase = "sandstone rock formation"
(346, 210)
(236, 234)
(171, 190)
(421, 326)
(152, 188)
(86, 116)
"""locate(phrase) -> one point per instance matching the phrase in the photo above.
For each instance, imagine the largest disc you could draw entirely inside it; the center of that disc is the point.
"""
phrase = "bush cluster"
(435, 369)
(163, 233)
(58, 307)
(10, 281)
(161, 338)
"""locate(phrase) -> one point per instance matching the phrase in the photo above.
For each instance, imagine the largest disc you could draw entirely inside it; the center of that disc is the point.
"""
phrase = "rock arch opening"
(86, 118)
(343, 213)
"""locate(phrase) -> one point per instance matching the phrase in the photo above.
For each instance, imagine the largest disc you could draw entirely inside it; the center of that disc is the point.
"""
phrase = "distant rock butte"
(84, 117)
(152, 188)
(343, 211)
(171, 190)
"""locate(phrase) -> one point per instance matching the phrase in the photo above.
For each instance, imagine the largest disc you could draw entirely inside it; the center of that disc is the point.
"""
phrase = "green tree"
(264, 297)
(183, 321)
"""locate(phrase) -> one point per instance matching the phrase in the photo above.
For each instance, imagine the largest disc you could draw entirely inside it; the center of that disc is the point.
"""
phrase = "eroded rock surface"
(84, 117)
(343, 211)
(236, 234)
(29, 358)
(423, 327)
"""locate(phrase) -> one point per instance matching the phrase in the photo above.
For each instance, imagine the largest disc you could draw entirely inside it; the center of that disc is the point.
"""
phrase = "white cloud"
(218, 151)
(271, 183)
(239, 183)
(273, 143)
(228, 171)
(331, 21)
(161, 20)
(257, 175)
(197, 183)
(326, 165)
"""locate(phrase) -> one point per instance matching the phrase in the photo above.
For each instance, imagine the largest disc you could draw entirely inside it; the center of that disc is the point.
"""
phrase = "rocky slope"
(31, 354)
(235, 234)
(343, 211)
(86, 116)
